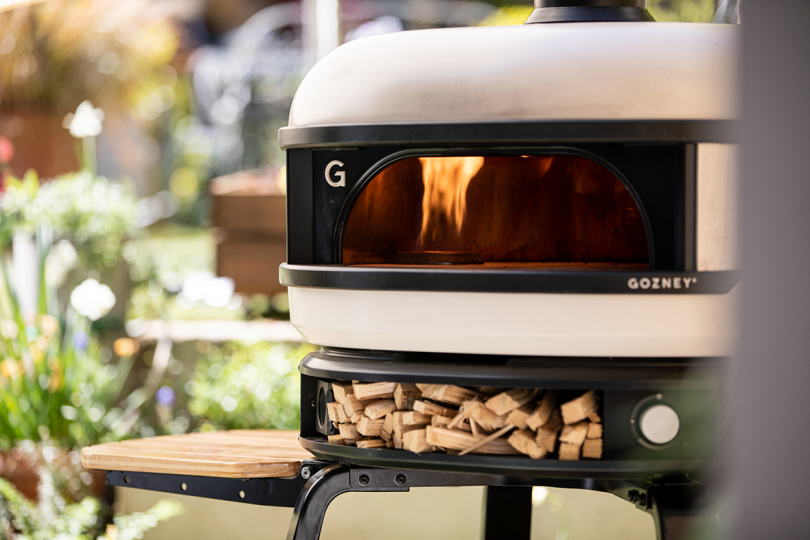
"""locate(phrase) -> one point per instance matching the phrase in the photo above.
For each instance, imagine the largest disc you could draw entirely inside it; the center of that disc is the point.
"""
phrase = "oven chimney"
(559, 11)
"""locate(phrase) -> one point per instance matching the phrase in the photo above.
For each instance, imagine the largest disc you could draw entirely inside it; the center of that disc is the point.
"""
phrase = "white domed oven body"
(645, 103)
(545, 206)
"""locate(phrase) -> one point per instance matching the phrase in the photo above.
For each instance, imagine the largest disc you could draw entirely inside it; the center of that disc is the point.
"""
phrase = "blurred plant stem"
(89, 159)
(136, 400)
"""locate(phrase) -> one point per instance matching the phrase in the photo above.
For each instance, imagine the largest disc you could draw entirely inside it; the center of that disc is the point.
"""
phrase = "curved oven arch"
(590, 211)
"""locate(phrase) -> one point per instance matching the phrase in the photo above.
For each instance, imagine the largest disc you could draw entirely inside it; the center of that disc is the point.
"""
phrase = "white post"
(26, 273)
(321, 20)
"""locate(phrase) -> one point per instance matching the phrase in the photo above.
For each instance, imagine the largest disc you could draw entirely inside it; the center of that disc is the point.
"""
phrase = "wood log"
(448, 393)
(569, 452)
(519, 416)
(488, 390)
(349, 431)
(405, 394)
(460, 440)
(473, 427)
(484, 416)
(388, 428)
(337, 439)
(444, 421)
(380, 390)
(594, 431)
(370, 428)
(543, 411)
(547, 433)
(432, 409)
(342, 416)
(400, 429)
(459, 418)
(501, 432)
(580, 408)
(332, 410)
(506, 402)
(341, 390)
(355, 418)
(523, 441)
(416, 441)
(371, 443)
(592, 449)
(380, 408)
(575, 433)
(594, 417)
(353, 405)
(413, 418)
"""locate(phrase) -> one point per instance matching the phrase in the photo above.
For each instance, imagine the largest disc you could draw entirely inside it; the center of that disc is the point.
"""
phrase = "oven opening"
(550, 211)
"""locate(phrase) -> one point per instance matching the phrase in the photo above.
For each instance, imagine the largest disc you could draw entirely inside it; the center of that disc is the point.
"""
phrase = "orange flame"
(444, 202)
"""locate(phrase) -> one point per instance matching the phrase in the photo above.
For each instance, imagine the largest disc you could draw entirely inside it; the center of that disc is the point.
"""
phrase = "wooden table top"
(227, 454)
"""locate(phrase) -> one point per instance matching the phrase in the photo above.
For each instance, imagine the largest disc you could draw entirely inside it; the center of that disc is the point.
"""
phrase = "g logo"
(339, 174)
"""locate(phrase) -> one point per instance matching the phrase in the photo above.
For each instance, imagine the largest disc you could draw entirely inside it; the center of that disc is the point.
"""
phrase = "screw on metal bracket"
(126, 479)
(400, 479)
(183, 486)
(363, 479)
(241, 494)
(306, 473)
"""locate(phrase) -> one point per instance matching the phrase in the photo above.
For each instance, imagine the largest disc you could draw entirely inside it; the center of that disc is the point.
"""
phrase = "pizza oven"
(547, 207)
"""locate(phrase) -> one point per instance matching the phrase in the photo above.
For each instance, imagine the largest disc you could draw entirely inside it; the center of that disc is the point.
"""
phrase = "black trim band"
(514, 371)
(506, 465)
(539, 4)
(507, 280)
(522, 132)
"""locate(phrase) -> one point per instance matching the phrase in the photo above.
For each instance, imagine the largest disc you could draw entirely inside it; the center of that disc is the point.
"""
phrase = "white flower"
(85, 122)
(206, 287)
(92, 299)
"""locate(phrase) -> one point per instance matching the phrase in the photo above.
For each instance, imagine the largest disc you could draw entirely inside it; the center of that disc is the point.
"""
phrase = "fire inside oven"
(555, 211)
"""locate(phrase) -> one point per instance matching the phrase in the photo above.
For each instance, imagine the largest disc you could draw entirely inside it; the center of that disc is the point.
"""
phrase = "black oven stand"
(679, 509)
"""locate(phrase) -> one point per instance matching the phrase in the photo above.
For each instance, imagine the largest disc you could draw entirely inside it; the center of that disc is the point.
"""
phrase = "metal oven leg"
(314, 499)
(507, 512)
(680, 511)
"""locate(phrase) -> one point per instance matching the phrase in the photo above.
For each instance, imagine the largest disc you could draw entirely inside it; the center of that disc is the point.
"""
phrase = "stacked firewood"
(457, 420)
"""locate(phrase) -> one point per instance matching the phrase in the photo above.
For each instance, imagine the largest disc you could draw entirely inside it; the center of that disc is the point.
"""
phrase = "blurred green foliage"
(94, 213)
(240, 386)
(53, 517)
(61, 52)
(682, 10)
(15, 204)
(56, 382)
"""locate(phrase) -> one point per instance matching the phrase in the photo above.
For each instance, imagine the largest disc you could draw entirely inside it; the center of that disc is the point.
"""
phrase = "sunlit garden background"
(135, 298)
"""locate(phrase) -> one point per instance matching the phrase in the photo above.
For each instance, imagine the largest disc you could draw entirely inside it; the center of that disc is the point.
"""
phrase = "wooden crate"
(249, 212)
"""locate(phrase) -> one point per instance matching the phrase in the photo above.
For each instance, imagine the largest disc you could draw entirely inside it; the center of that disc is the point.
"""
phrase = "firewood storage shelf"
(254, 467)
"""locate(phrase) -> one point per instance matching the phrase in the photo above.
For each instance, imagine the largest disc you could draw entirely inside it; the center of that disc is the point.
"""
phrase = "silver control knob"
(659, 424)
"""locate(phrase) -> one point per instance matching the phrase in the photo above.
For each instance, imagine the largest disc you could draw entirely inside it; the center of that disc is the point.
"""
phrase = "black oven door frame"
(324, 183)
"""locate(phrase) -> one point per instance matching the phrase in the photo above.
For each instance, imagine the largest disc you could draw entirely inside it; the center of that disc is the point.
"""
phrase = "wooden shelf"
(224, 454)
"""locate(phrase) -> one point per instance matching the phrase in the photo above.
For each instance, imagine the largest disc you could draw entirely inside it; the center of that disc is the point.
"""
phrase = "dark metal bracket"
(677, 508)
(680, 510)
